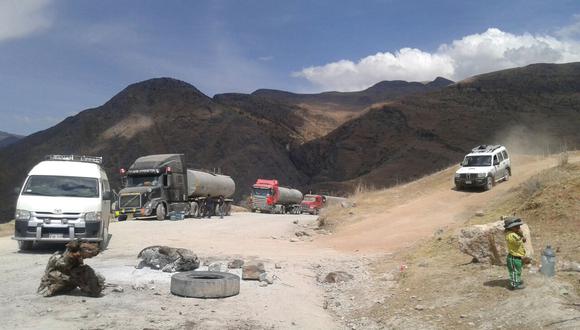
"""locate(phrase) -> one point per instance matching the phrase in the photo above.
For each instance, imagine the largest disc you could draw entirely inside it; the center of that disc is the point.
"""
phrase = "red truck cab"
(312, 204)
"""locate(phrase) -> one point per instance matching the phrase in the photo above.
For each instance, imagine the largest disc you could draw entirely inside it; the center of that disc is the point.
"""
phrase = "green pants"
(514, 265)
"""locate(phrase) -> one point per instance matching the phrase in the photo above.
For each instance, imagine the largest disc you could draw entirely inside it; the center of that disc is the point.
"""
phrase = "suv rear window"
(505, 155)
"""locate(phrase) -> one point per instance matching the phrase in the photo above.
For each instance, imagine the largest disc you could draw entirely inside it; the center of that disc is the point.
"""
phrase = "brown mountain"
(532, 108)
(323, 112)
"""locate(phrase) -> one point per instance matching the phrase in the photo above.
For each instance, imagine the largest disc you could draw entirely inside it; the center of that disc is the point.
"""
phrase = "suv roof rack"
(76, 158)
(485, 148)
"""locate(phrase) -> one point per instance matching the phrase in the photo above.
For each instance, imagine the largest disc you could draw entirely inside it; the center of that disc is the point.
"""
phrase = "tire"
(508, 173)
(488, 183)
(160, 212)
(105, 242)
(25, 245)
(205, 284)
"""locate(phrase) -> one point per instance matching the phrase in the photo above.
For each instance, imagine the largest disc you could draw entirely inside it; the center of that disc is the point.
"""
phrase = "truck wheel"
(160, 212)
(253, 210)
(198, 284)
(25, 245)
(488, 183)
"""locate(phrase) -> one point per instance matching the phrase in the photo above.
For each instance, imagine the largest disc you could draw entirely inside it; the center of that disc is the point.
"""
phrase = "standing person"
(209, 206)
(515, 240)
(221, 206)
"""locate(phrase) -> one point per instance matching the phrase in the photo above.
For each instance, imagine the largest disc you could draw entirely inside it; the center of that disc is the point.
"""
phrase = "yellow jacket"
(515, 244)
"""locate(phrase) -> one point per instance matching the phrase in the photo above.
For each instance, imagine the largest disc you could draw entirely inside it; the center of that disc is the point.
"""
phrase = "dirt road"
(424, 206)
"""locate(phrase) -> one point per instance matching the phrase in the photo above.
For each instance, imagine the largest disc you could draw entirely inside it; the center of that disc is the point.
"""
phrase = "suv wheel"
(488, 183)
(508, 173)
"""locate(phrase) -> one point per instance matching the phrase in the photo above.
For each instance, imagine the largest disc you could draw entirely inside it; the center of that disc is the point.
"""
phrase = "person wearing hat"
(516, 251)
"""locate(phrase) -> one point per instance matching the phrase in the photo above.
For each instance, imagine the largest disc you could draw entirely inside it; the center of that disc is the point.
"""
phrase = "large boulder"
(168, 259)
(486, 243)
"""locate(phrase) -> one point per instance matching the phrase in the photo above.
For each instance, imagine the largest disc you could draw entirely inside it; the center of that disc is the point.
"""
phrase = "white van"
(65, 197)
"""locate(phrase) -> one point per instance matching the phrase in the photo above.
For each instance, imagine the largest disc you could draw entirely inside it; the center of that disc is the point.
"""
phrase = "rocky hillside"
(7, 139)
(529, 109)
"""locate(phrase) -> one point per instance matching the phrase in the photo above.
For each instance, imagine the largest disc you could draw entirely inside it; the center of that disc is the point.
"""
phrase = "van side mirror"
(107, 195)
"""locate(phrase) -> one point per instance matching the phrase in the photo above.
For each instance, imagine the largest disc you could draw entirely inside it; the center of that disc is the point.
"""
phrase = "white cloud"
(473, 54)
(20, 18)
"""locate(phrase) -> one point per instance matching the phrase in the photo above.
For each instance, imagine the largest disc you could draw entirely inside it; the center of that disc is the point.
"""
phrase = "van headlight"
(92, 216)
(481, 175)
(22, 215)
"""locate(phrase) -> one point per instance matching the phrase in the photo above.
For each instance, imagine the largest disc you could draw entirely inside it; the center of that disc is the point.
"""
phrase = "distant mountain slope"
(315, 115)
(536, 107)
(7, 139)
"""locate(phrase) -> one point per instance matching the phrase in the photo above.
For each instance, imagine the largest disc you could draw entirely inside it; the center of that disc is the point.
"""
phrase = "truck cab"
(63, 198)
(153, 185)
(312, 204)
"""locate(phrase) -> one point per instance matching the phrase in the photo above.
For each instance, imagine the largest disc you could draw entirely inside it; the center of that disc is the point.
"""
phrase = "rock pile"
(65, 272)
(486, 243)
(168, 259)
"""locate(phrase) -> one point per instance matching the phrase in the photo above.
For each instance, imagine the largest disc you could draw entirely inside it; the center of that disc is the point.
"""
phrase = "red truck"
(314, 203)
(268, 196)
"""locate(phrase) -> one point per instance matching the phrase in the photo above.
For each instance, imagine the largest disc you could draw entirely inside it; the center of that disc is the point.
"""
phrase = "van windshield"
(61, 186)
(477, 161)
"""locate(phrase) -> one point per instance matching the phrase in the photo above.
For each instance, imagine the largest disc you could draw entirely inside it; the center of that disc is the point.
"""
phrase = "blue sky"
(60, 57)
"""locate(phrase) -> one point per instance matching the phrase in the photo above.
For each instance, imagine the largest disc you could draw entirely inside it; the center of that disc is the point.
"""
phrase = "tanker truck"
(268, 196)
(158, 185)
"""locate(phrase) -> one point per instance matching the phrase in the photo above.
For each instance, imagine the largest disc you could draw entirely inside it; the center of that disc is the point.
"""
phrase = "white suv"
(483, 167)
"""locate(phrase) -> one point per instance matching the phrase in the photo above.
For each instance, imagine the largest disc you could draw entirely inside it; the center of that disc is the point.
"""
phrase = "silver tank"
(332, 200)
(202, 184)
(289, 196)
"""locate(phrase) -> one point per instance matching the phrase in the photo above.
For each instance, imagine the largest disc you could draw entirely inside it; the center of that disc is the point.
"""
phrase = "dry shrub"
(563, 159)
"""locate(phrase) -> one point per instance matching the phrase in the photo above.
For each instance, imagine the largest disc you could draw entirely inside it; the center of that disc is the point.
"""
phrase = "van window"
(61, 186)
(500, 157)
(505, 155)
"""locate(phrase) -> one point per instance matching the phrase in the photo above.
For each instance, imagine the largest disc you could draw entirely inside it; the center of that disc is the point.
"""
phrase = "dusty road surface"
(295, 300)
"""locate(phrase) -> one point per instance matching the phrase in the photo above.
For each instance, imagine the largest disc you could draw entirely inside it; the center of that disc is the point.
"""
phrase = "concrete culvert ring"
(205, 284)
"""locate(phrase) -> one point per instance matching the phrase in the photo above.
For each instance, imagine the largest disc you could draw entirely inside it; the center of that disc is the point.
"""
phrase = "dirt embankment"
(432, 285)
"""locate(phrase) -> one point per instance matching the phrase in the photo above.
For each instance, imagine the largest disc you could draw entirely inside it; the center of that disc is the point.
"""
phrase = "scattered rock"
(301, 233)
(168, 259)
(325, 304)
(163, 308)
(252, 271)
(118, 289)
(336, 277)
(235, 264)
(277, 266)
(486, 243)
(294, 240)
(295, 222)
(217, 267)
(479, 213)
(419, 307)
(462, 316)
(267, 278)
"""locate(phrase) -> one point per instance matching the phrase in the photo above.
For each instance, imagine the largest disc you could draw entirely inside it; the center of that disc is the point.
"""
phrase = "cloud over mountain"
(471, 55)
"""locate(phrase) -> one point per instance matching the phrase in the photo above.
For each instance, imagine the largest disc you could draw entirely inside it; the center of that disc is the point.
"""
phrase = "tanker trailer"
(268, 196)
(202, 186)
